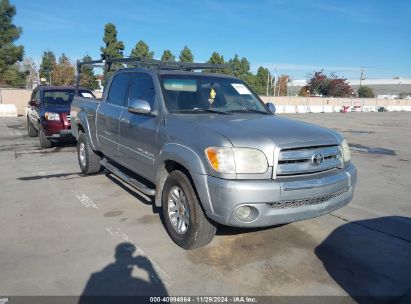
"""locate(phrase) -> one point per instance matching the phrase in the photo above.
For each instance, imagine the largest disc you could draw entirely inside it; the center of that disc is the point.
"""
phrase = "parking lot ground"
(64, 233)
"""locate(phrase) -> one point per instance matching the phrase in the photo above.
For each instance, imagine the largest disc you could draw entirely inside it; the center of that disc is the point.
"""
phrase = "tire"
(196, 229)
(44, 141)
(30, 130)
(88, 160)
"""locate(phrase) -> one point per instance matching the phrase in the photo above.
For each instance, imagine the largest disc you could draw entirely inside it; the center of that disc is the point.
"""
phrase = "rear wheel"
(88, 160)
(44, 141)
(184, 218)
(30, 130)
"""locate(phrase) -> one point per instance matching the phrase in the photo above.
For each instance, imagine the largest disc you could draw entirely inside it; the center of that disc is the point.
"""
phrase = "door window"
(32, 95)
(142, 87)
(118, 89)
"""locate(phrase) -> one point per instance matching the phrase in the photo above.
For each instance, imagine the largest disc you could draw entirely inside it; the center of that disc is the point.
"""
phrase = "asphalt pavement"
(64, 234)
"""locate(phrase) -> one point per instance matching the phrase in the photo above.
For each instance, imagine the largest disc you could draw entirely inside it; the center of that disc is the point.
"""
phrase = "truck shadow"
(139, 196)
(371, 259)
(115, 283)
(227, 230)
(63, 176)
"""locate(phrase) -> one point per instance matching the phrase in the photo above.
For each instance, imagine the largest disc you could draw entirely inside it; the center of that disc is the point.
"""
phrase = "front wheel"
(44, 141)
(88, 160)
(30, 130)
(184, 218)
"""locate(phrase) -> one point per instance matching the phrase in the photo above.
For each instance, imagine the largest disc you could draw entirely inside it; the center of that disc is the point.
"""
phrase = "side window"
(32, 95)
(35, 96)
(118, 89)
(142, 87)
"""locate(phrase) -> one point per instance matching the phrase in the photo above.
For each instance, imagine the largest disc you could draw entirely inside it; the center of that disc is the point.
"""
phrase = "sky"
(290, 37)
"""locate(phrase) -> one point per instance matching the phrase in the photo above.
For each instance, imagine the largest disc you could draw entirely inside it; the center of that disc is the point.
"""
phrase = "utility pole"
(275, 79)
(362, 75)
(268, 81)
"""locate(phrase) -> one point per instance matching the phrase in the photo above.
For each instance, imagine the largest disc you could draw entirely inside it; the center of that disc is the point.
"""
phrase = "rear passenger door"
(108, 115)
(138, 132)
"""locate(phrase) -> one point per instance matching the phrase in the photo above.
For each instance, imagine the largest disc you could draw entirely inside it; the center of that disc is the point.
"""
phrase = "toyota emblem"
(317, 159)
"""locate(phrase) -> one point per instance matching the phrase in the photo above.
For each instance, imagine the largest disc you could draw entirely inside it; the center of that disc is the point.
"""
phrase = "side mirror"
(33, 103)
(271, 107)
(139, 106)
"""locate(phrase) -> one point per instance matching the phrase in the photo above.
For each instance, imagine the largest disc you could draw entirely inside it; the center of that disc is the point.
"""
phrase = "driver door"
(138, 132)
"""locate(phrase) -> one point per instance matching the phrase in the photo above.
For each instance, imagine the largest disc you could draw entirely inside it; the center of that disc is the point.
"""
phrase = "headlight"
(237, 160)
(346, 151)
(221, 159)
(52, 116)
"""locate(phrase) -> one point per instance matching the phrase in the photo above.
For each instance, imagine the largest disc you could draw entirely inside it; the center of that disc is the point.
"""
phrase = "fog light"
(243, 212)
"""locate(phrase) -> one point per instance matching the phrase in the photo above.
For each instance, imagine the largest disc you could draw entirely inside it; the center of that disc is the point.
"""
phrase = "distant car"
(48, 114)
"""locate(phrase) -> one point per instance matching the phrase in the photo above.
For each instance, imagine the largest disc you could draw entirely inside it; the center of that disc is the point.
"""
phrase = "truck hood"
(265, 131)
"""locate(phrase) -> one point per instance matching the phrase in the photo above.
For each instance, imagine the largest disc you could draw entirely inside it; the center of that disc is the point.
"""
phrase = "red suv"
(48, 115)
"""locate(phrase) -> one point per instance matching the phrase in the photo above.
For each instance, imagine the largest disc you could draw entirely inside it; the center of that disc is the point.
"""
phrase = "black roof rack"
(142, 62)
(106, 63)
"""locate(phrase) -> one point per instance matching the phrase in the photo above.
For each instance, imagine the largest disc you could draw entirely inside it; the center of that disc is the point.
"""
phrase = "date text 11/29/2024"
(205, 299)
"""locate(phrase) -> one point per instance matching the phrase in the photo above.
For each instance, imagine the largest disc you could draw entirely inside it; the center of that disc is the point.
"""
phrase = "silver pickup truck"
(210, 151)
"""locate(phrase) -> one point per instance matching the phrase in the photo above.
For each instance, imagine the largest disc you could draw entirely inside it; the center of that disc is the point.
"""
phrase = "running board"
(129, 180)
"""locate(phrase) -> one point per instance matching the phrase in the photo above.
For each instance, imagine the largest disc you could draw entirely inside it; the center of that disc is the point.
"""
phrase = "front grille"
(308, 201)
(68, 117)
(300, 160)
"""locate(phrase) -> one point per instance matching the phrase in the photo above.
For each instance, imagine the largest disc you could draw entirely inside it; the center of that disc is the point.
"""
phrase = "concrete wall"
(20, 98)
(319, 101)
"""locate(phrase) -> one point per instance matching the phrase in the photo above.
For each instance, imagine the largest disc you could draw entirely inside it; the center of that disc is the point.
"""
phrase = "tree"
(365, 92)
(113, 48)
(14, 76)
(88, 79)
(216, 58)
(324, 85)
(142, 50)
(29, 67)
(281, 86)
(318, 83)
(404, 95)
(304, 91)
(241, 69)
(339, 87)
(10, 54)
(168, 56)
(186, 55)
(260, 82)
(47, 66)
(64, 73)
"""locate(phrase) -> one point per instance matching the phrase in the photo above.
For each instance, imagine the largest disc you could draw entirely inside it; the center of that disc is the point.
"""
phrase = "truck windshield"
(202, 93)
(63, 97)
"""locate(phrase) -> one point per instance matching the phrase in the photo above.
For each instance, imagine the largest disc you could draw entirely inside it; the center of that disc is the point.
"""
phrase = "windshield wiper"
(204, 110)
(246, 110)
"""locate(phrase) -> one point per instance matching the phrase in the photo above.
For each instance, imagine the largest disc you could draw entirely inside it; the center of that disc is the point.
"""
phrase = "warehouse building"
(383, 88)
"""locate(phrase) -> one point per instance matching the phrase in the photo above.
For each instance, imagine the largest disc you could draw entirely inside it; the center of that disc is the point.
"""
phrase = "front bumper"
(62, 135)
(276, 201)
(57, 130)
